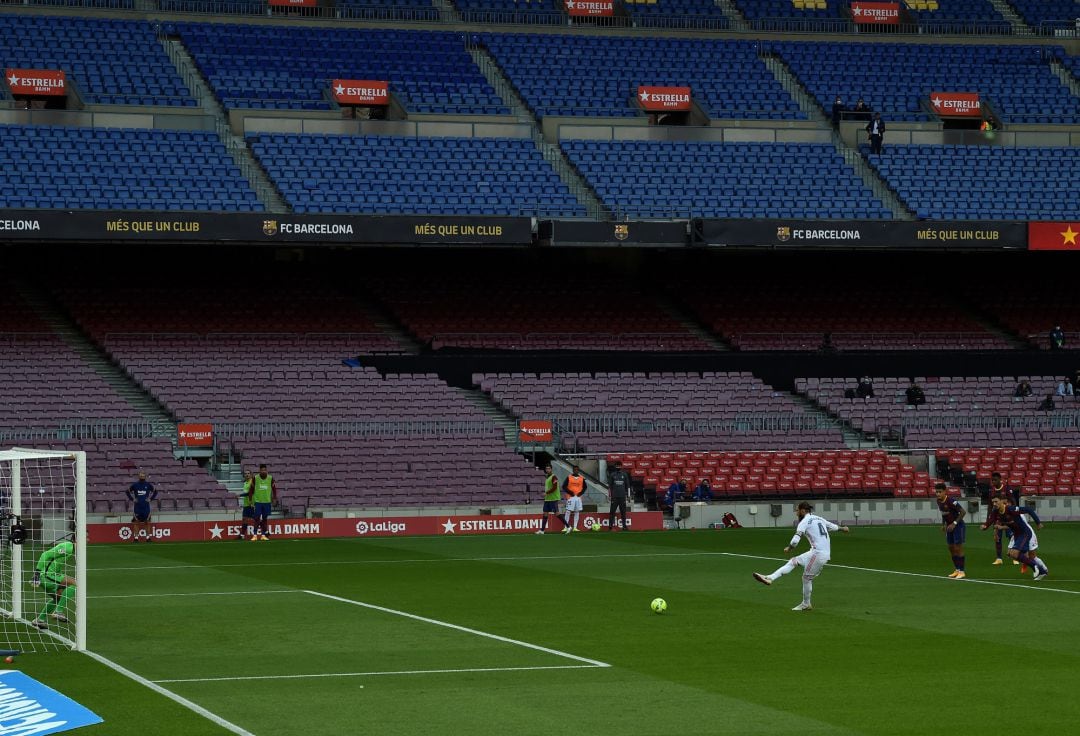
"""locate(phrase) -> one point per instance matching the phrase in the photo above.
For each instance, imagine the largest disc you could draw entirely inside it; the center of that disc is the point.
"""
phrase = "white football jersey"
(816, 530)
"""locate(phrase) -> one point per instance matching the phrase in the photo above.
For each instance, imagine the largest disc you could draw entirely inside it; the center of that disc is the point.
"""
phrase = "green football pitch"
(553, 634)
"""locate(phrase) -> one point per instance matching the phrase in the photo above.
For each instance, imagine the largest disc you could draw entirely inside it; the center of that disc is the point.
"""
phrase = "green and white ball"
(659, 605)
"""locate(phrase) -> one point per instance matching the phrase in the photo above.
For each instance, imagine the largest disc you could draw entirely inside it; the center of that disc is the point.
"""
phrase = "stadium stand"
(1016, 82)
(937, 181)
(959, 12)
(764, 10)
(613, 412)
(872, 312)
(1039, 12)
(392, 174)
(415, 10)
(971, 411)
(800, 473)
(111, 62)
(542, 12)
(598, 76)
(515, 311)
(1031, 306)
(102, 168)
(681, 179)
(290, 68)
(648, 12)
(392, 471)
(1039, 471)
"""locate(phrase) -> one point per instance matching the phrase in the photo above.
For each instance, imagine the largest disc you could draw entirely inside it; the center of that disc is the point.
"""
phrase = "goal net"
(43, 550)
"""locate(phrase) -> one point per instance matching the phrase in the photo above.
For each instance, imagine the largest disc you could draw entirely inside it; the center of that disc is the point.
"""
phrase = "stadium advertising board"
(875, 14)
(589, 8)
(862, 233)
(663, 99)
(581, 232)
(195, 435)
(37, 82)
(379, 526)
(535, 431)
(956, 104)
(203, 227)
(361, 92)
(33, 708)
(1054, 236)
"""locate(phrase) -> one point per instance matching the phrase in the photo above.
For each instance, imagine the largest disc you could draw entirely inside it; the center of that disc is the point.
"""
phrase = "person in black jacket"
(618, 490)
(838, 110)
(875, 129)
(1047, 403)
(915, 395)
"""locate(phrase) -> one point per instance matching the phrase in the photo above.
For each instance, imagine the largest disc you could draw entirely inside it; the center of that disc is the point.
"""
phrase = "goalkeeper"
(59, 587)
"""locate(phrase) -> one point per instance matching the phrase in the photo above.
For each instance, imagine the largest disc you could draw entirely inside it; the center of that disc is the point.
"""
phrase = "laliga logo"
(361, 527)
(125, 533)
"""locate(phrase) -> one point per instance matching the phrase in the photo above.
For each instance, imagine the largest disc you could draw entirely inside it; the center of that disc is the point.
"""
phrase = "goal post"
(43, 533)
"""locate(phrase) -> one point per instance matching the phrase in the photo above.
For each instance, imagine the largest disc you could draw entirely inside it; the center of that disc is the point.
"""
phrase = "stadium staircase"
(734, 15)
(267, 193)
(1066, 76)
(447, 12)
(552, 152)
(853, 438)
(504, 420)
(691, 324)
(852, 157)
(162, 424)
(1020, 27)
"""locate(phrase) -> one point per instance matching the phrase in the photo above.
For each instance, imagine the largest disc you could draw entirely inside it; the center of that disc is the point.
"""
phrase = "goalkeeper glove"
(37, 579)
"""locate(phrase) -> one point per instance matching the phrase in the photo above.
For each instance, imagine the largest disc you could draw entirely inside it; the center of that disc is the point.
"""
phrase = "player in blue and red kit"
(1024, 542)
(141, 494)
(952, 523)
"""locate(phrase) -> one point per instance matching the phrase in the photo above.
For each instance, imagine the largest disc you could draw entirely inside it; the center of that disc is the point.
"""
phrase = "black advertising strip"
(862, 233)
(578, 232)
(205, 227)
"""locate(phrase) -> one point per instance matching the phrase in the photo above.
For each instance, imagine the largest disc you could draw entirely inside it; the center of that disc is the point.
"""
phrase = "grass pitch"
(553, 634)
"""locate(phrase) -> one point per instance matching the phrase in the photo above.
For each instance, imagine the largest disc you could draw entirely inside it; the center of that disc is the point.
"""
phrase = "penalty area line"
(194, 707)
(387, 672)
(455, 627)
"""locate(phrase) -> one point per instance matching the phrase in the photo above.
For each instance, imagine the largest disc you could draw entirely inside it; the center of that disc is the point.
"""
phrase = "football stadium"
(511, 366)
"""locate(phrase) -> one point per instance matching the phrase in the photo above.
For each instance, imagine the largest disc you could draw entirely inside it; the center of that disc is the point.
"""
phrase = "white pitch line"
(911, 574)
(455, 627)
(184, 595)
(208, 715)
(388, 672)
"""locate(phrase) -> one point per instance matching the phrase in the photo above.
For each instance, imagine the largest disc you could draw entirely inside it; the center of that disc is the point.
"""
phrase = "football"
(596, 526)
(659, 605)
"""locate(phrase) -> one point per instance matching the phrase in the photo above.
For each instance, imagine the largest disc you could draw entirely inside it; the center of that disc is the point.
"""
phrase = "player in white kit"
(816, 530)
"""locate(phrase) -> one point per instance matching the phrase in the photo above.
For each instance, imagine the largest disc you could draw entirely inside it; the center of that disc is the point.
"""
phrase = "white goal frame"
(15, 456)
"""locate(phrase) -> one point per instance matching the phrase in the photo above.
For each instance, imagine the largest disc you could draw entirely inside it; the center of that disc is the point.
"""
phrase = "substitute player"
(58, 587)
(247, 505)
(1024, 542)
(952, 523)
(141, 493)
(816, 529)
(573, 488)
(551, 499)
(264, 494)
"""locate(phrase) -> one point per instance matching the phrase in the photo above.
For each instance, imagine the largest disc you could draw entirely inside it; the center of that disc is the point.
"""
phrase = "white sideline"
(455, 627)
(212, 717)
(389, 672)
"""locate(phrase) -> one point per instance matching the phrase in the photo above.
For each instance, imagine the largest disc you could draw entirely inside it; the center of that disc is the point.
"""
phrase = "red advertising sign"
(956, 104)
(535, 431)
(386, 526)
(1054, 236)
(360, 92)
(589, 8)
(37, 82)
(294, 3)
(663, 99)
(875, 14)
(195, 435)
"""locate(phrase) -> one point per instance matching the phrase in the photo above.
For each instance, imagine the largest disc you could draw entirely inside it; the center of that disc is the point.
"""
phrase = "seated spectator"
(915, 395)
(703, 492)
(862, 111)
(675, 492)
(865, 389)
(1047, 403)
(1065, 387)
(1057, 338)
(1023, 389)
